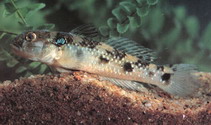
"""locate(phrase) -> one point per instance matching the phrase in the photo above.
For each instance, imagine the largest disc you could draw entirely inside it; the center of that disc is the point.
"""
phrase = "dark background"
(199, 8)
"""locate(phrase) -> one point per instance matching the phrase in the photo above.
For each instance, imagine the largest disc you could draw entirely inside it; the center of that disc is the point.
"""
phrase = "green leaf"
(9, 10)
(119, 14)
(2, 35)
(142, 11)
(140, 1)
(180, 13)
(6, 1)
(34, 65)
(9, 7)
(192, 26)
(46, 26)
(37, 6)
(43, 68)
(113, 33)
(6, 14)
(128, 6)
(24, 11)
(122, 28)
(12, 62)
(112, 23)
(29, 10)
(206, 38)
(184, 47)
(135, 21)
(3, 57)
(28, 74)
(28, 27)
(172, 36)
(104, 30)
(152, 2)
(20, 69)
(156, 21)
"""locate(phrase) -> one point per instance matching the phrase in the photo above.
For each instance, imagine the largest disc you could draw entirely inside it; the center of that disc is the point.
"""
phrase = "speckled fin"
(133, 48)
(87, 30)
(132, 85)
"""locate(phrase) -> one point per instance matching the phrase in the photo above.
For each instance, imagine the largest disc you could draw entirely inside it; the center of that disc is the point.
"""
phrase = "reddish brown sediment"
(82, 98)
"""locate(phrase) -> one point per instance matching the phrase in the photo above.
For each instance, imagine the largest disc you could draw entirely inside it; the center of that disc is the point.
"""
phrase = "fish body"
(71, 51)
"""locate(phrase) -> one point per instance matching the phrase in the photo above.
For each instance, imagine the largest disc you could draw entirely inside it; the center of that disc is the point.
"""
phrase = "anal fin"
(58, 70)
(132, 85)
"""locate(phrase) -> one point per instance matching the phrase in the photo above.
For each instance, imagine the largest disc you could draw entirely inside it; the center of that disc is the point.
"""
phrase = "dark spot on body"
(127, 67)
(142, 63)
(161, 68)
(79, 53)
(103, 60)
(109, 52)
(69, 39)
(116, 53)
(170, 65)
(166, 77)
(174, 69)
(119, 54)
(151, 74)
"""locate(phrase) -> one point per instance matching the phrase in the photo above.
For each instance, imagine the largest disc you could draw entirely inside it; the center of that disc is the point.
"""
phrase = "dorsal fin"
(133, 48)
(87, 30)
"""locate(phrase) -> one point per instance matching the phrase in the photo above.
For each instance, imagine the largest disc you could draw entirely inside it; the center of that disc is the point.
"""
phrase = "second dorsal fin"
(87, 30)
(133, 48)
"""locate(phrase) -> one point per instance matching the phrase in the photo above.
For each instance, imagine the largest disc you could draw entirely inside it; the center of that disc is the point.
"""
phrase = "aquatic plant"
(127, 15)
(16, 18)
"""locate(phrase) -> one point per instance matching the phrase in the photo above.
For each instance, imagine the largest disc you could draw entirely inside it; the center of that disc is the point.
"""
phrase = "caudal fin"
(182, 82)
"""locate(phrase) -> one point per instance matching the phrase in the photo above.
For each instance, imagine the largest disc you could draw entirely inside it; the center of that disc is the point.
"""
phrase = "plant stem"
(18, 12)
(7, 32)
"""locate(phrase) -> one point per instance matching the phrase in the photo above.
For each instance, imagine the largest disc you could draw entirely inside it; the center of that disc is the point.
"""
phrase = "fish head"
(36, 46)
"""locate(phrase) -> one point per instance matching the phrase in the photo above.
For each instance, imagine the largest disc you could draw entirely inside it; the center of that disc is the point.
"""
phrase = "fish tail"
(182, 82)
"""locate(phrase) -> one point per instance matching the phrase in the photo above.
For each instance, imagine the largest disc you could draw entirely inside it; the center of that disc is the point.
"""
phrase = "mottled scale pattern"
(126, 64)
(74, 51)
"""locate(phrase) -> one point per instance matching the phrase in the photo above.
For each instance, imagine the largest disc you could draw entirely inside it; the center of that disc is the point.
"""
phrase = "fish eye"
(60, 41)
(30, 36)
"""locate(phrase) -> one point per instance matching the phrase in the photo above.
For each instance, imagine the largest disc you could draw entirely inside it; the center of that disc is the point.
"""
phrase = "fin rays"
(132, 85)
(87, 30)
(133, 48)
